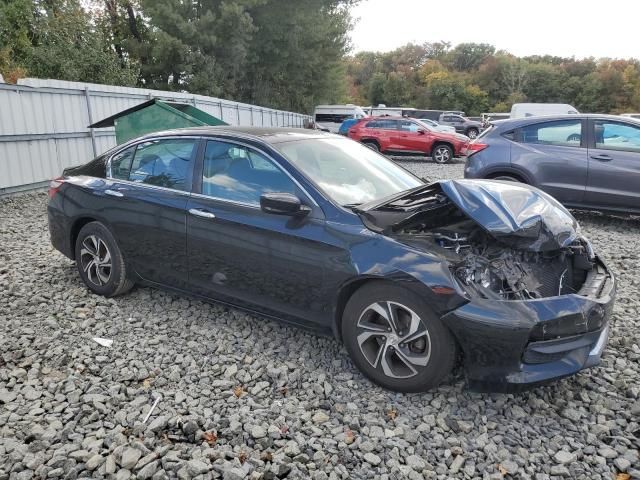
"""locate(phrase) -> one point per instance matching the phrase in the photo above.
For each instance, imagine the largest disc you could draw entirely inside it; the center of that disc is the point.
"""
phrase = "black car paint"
(301, 270)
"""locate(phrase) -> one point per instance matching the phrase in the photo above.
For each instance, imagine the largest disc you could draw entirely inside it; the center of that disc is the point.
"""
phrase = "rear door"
(144, 201)
(555, 157)
(614, 165)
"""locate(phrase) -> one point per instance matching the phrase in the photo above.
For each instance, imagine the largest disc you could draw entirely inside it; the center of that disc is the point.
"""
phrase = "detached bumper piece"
(515, 345)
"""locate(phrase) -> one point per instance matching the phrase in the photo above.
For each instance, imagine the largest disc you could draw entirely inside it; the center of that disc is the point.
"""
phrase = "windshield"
(346, 171)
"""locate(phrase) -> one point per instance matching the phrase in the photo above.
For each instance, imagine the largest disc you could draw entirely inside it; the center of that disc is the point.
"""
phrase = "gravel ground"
(241, 397)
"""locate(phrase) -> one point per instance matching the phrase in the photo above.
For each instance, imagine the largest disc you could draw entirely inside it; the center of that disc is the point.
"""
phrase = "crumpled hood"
(517, 213)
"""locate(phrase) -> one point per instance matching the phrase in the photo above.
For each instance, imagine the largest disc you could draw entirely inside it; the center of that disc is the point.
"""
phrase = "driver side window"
(236, 173)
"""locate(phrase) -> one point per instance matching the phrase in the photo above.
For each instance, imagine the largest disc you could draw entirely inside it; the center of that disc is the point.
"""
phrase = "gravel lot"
(242, 397)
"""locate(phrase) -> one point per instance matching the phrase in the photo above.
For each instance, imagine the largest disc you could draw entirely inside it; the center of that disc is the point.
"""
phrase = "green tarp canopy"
(153, 116)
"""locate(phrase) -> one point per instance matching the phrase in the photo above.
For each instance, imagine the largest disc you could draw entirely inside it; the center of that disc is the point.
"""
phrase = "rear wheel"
(442, 154)
(507, 178)
(395, 339)
(100, 261)
(372, 145)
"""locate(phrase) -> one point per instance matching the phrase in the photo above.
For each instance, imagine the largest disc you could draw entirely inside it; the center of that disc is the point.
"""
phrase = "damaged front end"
(538, 296)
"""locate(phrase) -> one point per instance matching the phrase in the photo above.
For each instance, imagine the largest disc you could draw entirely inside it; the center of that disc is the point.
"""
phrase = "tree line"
(475, 78)
(288, 55)
(276, 53)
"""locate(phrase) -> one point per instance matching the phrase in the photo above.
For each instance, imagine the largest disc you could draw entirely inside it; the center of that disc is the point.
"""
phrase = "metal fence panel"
(43, 124)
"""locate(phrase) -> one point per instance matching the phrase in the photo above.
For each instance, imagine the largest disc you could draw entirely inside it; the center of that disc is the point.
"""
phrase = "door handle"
(602, 157)
(113, 193)
(201, 213)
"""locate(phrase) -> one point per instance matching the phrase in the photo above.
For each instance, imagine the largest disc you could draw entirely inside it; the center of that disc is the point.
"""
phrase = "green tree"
(376, 89)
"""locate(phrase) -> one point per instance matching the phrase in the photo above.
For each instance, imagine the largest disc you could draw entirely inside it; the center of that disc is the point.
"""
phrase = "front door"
(242, 255)
(411, 136)
(614, 165)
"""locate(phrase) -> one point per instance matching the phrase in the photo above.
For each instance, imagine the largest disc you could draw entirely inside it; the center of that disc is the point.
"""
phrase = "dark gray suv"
(463, 125)
(585, 161)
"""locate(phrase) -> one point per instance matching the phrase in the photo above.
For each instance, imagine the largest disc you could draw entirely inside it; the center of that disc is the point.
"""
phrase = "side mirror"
(282, 203)
(421, 131)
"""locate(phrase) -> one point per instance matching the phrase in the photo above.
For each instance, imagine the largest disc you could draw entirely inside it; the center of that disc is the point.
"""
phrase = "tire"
(372, 145)
(381, 355)
(99, 261)
(472, 133)
(442, 154)
(507, 178)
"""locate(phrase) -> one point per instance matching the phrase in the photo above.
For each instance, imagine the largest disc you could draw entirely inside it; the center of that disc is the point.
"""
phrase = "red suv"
(408, 135)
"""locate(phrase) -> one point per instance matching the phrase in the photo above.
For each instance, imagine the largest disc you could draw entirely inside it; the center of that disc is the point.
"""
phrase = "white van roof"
(520, 110)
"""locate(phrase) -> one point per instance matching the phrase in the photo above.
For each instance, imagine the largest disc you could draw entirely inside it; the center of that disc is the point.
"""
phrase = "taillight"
(54, 186)
(475, 147)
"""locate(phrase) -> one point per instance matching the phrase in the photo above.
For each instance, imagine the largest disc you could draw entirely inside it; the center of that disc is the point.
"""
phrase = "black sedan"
(318, 230)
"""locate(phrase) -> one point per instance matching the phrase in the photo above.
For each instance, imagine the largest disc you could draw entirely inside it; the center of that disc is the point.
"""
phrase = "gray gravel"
(241, 397)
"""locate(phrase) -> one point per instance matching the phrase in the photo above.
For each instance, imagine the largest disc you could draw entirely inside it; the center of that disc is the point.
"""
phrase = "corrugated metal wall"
(43, 124)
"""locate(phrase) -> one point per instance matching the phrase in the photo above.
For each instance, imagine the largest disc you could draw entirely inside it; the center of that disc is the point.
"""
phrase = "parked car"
(631, 115)
(406, 135)
(585, 161)
(468, 127)
(329, 117)
(521, 110)
(346, 125)
(316, 229)
(437, 127)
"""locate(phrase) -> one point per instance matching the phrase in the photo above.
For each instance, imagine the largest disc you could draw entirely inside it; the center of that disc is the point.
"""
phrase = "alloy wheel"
(95, 260)
(472, 134)
(442, 155)
(393, 339)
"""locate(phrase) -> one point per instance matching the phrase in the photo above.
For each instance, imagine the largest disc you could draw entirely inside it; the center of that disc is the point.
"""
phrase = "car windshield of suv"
(346, 171)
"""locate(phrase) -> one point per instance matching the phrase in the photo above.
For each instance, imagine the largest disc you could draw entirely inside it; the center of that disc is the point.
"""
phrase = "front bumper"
(517, 345)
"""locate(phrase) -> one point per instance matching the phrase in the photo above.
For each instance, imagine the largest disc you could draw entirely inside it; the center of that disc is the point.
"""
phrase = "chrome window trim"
(153, 187)
(255, 206)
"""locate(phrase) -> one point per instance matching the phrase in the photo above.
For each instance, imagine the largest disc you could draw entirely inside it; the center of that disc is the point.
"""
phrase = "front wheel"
(472, 133)
(395, 339)
(442, 154)
(100, 261)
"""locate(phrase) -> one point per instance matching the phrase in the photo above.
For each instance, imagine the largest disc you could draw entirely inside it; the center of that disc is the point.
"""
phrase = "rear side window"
(617, 136)
(384, 124)
(121, 164)
(567, 133)
(164, 163)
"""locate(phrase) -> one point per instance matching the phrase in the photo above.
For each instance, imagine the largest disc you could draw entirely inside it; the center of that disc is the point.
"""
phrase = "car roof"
(519, 122)
(271, 135)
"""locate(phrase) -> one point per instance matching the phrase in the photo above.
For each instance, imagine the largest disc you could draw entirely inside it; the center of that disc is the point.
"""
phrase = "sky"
(580, 28)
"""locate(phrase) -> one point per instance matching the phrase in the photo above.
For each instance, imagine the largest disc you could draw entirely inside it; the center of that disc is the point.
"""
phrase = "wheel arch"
(370, 140)
(77, 225)
(349, 288)
(513, 172)
(437, 143)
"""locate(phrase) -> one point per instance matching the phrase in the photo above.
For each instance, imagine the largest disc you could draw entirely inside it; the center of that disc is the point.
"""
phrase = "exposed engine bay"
(514, 256)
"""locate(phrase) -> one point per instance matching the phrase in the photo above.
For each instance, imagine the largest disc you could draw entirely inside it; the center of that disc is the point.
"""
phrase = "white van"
(330, 117)
(521, 110)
